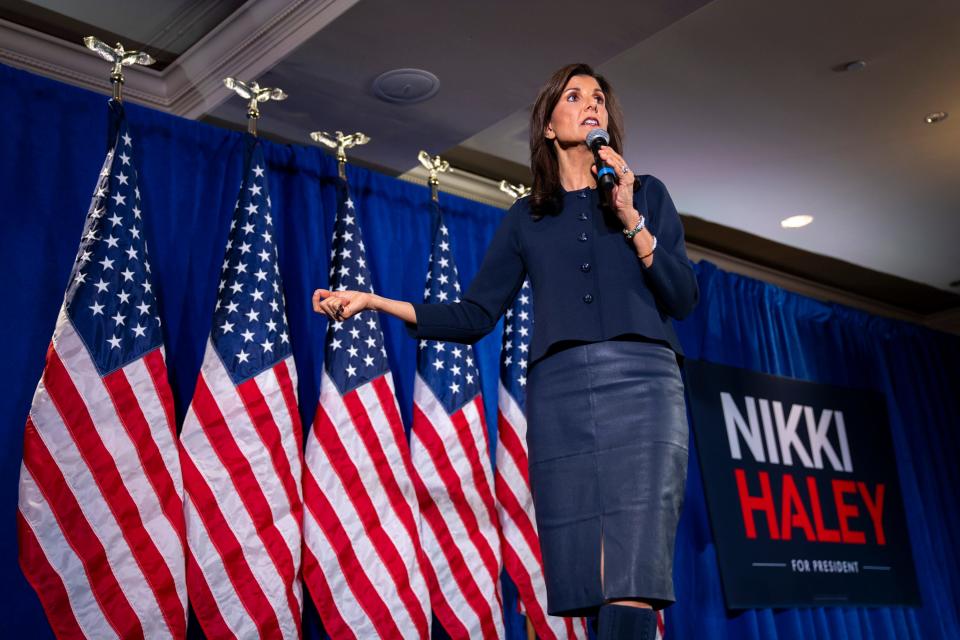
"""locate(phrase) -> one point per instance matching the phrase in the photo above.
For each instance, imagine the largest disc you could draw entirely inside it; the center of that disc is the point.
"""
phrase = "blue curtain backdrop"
(50, 153)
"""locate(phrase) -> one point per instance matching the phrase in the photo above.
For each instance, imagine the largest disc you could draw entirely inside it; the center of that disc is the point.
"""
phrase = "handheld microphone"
(606, 177)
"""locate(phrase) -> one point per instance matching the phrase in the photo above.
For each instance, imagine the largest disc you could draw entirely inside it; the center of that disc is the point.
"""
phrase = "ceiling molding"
(252, 40)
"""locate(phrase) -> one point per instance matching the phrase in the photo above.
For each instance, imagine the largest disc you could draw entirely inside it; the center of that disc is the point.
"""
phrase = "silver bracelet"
(629, 233)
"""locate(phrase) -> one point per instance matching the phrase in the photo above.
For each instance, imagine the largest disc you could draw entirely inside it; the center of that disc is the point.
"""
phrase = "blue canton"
(249, 325)
(355, 353)
(110, 299)
(447, 368)
(517, 327)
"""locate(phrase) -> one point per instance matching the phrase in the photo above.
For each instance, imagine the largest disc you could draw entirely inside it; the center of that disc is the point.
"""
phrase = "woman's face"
(582, 107)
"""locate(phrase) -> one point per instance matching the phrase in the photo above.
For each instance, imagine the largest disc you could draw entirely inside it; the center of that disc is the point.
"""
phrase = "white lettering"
(735, 423)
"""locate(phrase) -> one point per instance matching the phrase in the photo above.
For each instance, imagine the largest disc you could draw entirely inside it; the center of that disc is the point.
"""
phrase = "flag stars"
(131, 253)
(112, 242)
(97, 309)
(124, 158)
(139, 331)
(351, 371)
(121, 178)
(114, 342)
(245, 248)
(252, 315)
(119, 199)
(267, 345)
(102, 286)
(107, 263)
(143, 307)
(247, 335)
(127, 274)
(243, 356)
(227, 327)
(118, 319)
(127, 140)
(251, 208)
(258, 171)
(255, 189)
(115, 219)
(124, 297)
(248, 228)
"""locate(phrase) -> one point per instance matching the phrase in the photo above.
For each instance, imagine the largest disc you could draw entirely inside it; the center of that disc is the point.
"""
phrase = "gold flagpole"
(120, 58)
(515, 190)
(435, 166)
(255, 94)
(340, 142)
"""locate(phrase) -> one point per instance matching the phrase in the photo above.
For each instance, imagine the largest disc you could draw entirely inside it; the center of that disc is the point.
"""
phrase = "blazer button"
(588, 298)
(585, 267)
(583, 216)
(582, 237)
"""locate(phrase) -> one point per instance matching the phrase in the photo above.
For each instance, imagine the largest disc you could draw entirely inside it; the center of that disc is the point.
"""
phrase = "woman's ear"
(549, 133)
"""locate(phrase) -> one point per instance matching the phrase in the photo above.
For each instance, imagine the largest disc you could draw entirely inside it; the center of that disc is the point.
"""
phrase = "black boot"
(618, 622)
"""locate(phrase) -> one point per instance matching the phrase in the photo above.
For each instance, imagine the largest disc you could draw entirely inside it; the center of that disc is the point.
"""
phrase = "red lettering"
(794, 515)
(846, 511)
(823, 534)
(875, 509)
(749, 504)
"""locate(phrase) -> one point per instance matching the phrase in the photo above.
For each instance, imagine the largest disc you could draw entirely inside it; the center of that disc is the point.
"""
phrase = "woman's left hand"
(622, 196)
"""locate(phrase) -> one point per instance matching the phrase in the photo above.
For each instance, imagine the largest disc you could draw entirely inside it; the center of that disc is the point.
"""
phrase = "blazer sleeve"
(670, 276)
(490, 293)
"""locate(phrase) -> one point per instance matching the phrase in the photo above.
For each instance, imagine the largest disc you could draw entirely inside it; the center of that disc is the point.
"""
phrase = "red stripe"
(79, 535)
(158, 373)
(458, 568)
(478, 460)
(518, 516)
(515, 448)
(290, 399)
(203, 602)
(433, 446)
(248, 490)
(269, 431)
(528, 595)
(73, 411)
(661, 625)
(349, 476)
(353, 570)
(46, 582)
(155, 469)
(453, 483)
(231, 553)
(333, 622)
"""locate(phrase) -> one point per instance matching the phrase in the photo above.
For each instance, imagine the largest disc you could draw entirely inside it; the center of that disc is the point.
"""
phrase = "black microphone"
(606, 177)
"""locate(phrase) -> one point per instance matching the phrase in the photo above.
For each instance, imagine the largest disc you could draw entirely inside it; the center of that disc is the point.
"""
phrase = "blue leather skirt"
(607, 437)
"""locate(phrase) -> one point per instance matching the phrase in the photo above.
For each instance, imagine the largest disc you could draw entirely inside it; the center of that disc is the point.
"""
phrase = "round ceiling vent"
(406, 86)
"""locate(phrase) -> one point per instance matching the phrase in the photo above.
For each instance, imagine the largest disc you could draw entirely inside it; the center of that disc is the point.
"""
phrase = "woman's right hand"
(340, 305)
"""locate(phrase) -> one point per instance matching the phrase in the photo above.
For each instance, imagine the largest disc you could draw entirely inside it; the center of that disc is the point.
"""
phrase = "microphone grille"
(597, 134)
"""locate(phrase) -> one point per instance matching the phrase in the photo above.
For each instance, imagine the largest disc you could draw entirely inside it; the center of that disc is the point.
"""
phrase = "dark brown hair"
(547, 194)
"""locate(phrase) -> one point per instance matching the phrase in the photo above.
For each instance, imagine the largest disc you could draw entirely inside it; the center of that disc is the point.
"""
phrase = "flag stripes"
(456, 501)
(241, 480)
(359, 507)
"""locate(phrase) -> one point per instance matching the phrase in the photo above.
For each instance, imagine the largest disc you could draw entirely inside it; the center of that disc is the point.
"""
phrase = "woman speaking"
(607, 428)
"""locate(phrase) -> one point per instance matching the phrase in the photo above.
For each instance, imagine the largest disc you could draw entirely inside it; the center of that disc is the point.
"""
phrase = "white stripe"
(325, 474)
(63, 450)
(61, 557)
(343, 597)
(455, 452)
(152, 405)
(252, 446)
(269, 386)
(231, 609)
(440, 423)
(215, 475)
(96, 398)
(362, 459)
(392, 442)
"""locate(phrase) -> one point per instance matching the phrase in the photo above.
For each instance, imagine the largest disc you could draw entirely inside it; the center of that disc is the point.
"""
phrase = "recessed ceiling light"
(851, 65)
(795, 222)
(935, 117)
(406, 86)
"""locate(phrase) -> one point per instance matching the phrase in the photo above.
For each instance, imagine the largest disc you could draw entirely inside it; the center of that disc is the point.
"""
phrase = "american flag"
(242, 441)
(521, 545)
(100, 521)
(362, 554)
(449, 446)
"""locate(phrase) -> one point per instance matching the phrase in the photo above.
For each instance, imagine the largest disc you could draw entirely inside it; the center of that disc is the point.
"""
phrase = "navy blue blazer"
(588, 284)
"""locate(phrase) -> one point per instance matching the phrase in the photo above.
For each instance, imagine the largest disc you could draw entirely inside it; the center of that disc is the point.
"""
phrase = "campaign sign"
(802, 490)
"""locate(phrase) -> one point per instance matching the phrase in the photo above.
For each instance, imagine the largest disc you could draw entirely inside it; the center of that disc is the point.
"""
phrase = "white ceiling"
(732, 103)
